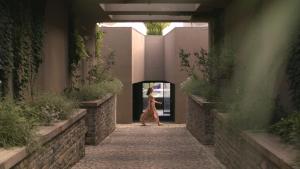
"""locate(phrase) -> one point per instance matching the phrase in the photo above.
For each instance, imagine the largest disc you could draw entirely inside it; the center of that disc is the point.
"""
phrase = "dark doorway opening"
(163, 91)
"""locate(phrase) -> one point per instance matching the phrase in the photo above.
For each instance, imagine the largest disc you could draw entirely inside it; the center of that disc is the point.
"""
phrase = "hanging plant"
(22, 48)
(37, 24)
(293, 71)
(6, 50)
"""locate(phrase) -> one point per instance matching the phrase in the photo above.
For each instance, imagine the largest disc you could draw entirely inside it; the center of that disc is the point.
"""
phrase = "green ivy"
(37, 24)
(22, 47)
(293, 71)
(21, 40)
(6, 50)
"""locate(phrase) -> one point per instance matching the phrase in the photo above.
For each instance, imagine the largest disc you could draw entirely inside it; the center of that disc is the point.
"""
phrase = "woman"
(150, 113)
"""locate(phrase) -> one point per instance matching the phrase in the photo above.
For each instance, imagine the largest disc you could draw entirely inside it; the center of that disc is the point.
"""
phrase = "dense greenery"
(288, 128)
(6, 49)
(15, 129)
(48, 108)
(100, 80)
(21, 27)
(19, 119)
(208, 72)
(156, 28)
(96, 90)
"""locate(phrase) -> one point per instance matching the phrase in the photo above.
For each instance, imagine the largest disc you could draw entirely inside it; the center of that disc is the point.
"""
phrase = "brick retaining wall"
(251, 150)
(62, 145)
(100, 119)
(200, 120)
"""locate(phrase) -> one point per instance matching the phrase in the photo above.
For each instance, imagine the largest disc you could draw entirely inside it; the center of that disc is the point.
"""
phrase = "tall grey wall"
(53, 74)
(154, 58)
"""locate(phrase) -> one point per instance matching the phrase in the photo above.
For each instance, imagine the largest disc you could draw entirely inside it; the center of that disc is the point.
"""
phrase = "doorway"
(163, 92)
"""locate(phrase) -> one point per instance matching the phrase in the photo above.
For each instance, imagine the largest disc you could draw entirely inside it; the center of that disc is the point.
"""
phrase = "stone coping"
(96, 103)
(10, 157)
(271, 146)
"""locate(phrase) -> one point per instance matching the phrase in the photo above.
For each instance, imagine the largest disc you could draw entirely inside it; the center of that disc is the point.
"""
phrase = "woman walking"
(150, 114)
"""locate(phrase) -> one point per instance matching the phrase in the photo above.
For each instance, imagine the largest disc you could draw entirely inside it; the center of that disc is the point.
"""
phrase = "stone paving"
(134, 146)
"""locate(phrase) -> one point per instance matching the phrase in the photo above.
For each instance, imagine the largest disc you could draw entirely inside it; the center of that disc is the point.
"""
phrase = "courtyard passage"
(134, 146)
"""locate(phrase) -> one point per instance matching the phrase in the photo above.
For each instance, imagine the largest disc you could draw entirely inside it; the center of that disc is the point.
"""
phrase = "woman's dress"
(150, 113)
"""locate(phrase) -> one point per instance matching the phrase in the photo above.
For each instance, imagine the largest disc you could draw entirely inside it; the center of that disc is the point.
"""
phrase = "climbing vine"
(293, 71)
(6, 52)
(21, 41)
(77, 53)
(38, 13)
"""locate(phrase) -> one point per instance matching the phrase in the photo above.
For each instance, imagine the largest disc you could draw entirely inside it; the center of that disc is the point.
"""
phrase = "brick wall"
(250, 150)
(100, 119)
(200, 120)
(62, 145)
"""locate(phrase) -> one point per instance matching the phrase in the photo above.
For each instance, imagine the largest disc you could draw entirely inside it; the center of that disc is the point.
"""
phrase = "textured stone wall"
(100, 119)
(240, 150)
(61, 152)
(200, 120)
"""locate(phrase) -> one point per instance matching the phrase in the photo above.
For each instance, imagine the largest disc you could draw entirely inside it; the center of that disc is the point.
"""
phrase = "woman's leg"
(142, 119)
(157, 118)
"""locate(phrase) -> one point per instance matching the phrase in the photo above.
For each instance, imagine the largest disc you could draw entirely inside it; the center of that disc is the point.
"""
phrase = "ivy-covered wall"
(21, 41)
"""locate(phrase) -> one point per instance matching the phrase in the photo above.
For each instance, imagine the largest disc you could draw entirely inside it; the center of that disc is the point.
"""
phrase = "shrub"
(194, 86)
(96, 91)
(15, 129)
(288, 129)
(47, 108)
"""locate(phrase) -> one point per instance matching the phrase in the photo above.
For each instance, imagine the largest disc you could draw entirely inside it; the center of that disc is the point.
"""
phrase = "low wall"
(251, 150)
(62, 145)
(200, 120)
(100, 119)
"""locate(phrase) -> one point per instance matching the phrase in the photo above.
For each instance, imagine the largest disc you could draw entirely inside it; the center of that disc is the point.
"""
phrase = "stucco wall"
(53, 75)
(154, 58)
(192, 40)
(138, 56)
(119, 40)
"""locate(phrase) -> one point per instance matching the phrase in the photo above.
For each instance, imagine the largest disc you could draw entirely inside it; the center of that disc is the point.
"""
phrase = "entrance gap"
(163, 92)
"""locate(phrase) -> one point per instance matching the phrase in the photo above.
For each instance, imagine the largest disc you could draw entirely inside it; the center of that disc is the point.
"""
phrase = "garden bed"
(62, 145)
(200, 119)
(100, 119)
(251, 150)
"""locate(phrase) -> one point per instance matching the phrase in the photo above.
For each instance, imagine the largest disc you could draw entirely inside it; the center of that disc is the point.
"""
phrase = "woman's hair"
(150, 90)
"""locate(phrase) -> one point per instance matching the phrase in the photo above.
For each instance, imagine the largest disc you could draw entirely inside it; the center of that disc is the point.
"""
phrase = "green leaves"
(156, 28)
(20, 48)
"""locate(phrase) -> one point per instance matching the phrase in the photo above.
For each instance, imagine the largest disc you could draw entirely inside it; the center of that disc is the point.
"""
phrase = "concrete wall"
(154, 58)
(138, 56)
(192, 40)
(119, 40)
(53, 75)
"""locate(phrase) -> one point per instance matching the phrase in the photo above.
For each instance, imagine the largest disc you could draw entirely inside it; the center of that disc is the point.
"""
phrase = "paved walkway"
(133, 146)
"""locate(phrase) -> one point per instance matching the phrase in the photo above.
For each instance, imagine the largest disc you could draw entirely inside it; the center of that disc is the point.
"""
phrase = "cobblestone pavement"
(134, 146)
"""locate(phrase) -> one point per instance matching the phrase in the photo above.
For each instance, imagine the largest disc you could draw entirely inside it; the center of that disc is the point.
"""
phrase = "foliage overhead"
(156, 28)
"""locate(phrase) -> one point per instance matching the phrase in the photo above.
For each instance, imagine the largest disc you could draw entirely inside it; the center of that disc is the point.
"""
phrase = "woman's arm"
(153, 99)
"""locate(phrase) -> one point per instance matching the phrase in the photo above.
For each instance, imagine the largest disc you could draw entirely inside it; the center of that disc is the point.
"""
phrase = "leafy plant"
(96, 91)
(6, 48)
(99, 41)
(288, 129)
(293, 71)
(48, 108)
(208, 71)
(101, 70)
(156, 28)
(15, 129)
